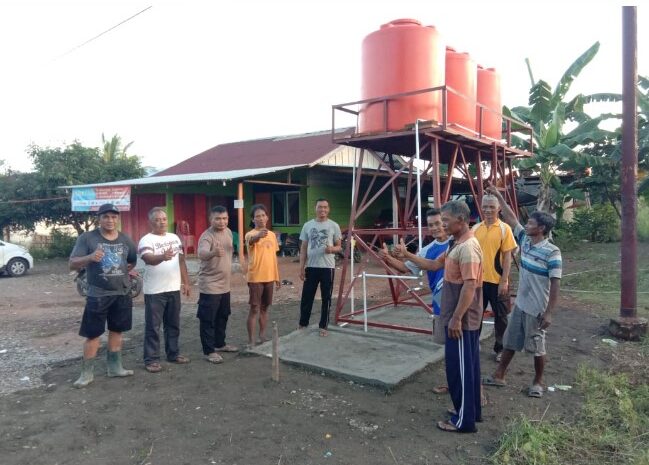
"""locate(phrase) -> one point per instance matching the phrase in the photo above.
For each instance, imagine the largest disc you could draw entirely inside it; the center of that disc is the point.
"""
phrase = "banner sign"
(89, 199)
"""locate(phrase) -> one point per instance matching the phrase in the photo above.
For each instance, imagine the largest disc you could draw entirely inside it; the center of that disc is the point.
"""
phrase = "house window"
(286, 208)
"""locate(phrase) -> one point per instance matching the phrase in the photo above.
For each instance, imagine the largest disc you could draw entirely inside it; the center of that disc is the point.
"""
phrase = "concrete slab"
(379, 357)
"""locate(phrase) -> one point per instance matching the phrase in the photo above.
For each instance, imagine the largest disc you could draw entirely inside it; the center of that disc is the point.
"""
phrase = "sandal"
(180, 359)
(535, 390)
(440, 389)
(448, 426)
(214, 358)
(491, 381)
(324, 333)
(154, 367)
(227, 348)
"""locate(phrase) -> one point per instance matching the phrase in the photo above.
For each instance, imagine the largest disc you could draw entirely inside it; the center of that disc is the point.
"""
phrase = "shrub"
(60, 246)
(563, 237)
(599, 223)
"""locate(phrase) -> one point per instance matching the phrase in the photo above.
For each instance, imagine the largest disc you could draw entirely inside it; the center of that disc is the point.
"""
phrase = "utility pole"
(628, 326)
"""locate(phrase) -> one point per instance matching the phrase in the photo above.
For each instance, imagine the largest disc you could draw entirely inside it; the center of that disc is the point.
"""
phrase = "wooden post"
(240, 226)
(275, 374)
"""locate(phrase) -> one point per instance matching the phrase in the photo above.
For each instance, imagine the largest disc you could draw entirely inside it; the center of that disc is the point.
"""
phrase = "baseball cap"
(107, 207)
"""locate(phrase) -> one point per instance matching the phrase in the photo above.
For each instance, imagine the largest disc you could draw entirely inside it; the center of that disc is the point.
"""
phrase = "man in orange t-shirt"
(263, 272)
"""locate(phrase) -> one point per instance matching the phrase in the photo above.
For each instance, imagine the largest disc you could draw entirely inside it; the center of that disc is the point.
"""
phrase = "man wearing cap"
(107, 255)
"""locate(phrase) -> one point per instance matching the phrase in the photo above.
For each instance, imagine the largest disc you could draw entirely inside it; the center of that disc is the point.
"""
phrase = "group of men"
(468, 271)
(108, 256)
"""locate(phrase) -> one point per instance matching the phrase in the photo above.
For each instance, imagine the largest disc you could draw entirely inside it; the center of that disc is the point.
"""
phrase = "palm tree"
(555, 150)
(112, 149)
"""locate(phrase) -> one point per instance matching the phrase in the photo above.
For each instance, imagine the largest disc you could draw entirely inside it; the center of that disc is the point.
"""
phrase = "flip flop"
(440, 389)
(227, 348)
(180, 359)
(491, 381)
(535, 390)
(324, 333)
(449, 427)
(214, 358)
(154, 367)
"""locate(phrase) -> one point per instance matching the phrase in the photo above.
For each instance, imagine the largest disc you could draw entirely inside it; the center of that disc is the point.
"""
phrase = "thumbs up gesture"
(219, 250)
(97, 255)
(400, 250)
(384, 252)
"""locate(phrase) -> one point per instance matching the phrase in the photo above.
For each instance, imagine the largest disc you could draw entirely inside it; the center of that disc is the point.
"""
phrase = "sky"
(184, 76)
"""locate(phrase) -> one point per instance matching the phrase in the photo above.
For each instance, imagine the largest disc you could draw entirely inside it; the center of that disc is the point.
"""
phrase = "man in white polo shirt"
(165, 276)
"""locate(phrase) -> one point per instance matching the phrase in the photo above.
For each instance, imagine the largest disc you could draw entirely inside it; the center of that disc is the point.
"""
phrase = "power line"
(105, 32)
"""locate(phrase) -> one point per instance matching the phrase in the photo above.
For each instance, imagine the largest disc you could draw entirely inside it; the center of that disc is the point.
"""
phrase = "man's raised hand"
(97, 255)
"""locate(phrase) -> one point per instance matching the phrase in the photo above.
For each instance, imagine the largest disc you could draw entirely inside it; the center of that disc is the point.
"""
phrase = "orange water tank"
(489, 96)
(401, 56)
(461, 77)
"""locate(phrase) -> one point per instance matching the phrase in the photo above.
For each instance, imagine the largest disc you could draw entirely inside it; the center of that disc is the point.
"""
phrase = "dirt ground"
(233, 413)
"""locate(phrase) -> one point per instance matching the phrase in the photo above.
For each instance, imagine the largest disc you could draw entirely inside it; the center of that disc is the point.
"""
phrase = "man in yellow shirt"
(497, 243)
(263, 272)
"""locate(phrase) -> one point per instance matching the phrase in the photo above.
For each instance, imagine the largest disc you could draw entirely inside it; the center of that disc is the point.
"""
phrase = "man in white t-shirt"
(165, 276)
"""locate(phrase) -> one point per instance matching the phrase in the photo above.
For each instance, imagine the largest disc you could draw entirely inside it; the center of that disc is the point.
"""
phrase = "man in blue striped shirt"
(538, 292)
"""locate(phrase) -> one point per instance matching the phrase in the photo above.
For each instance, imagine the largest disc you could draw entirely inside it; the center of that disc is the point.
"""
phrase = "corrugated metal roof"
(296, 150)
(208, 176)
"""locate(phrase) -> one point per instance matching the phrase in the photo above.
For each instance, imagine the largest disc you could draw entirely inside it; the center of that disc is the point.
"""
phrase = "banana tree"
(556, 150)
(603, 157)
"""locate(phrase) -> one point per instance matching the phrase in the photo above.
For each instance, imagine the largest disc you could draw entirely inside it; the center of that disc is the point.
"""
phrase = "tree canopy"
(24, 196)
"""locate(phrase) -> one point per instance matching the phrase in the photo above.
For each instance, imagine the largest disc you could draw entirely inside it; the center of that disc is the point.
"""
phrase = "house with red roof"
(286, 174)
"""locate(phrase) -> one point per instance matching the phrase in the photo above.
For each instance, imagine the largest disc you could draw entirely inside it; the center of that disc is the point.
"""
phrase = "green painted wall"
(318, 182)
(336, 187)
(170, 210)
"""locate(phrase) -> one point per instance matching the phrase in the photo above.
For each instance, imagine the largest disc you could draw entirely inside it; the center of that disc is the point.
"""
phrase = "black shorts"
(117, 310)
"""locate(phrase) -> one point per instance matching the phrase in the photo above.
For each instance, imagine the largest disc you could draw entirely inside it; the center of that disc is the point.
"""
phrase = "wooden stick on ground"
(275, 374)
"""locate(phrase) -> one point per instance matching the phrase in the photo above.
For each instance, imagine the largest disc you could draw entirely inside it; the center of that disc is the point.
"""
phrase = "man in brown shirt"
(461, 314)
(215, 253)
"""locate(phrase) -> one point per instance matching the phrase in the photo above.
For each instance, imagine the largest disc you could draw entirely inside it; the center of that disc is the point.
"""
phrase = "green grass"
(612, 425)
(612, 428)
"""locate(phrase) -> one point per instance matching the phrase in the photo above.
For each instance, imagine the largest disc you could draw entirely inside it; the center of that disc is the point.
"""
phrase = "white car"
(14, 259)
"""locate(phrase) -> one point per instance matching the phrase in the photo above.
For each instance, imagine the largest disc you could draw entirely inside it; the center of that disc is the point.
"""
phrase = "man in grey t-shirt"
(107, 255)
(321, 239)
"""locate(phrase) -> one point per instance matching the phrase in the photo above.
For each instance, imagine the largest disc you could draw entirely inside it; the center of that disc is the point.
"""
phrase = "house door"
(264, 199)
